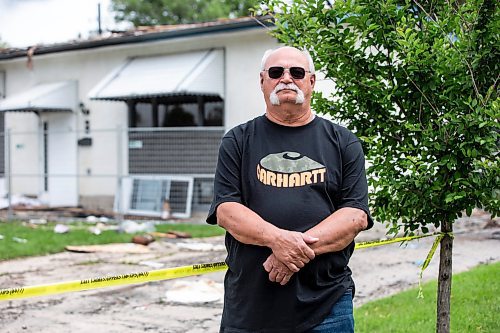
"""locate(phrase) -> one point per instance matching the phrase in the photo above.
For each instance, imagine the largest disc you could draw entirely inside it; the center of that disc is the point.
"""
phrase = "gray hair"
(268, 53)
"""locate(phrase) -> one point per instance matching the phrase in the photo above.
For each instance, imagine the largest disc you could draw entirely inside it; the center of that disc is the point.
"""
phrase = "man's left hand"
(278, 271)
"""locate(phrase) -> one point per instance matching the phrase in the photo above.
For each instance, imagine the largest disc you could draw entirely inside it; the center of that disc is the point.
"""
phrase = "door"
(59, 160)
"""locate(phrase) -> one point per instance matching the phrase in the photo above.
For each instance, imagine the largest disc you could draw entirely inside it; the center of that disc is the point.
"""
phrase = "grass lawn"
(43, 240)
(475, 301)
(475, 305)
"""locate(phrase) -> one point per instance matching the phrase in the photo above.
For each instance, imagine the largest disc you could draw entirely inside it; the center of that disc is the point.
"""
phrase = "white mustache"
(274, 99)
(283, 86)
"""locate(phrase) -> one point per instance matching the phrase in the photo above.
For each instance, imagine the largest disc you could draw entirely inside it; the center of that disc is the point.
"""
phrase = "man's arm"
(338, 230)
(290, 247)
(334, 233)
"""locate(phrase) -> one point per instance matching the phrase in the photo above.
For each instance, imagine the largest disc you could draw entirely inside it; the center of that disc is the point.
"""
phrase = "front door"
(59, 160)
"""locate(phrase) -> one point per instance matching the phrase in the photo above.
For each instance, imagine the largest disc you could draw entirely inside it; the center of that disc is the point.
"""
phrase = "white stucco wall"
(97, 164)
(24, 153)
(24, 139)
(245, 100)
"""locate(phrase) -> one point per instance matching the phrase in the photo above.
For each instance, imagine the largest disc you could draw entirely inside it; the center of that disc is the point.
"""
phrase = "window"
(203, 191)
(148, 195)
(160, 196)
(178, 112)
(181, 115)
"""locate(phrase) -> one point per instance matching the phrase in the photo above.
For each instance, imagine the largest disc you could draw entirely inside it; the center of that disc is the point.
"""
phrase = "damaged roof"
(140, 34)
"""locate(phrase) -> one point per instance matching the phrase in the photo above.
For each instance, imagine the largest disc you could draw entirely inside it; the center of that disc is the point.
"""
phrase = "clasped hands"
(291, 252)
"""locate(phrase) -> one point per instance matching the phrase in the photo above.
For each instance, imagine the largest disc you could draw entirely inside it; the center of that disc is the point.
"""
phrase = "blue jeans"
(340, 319)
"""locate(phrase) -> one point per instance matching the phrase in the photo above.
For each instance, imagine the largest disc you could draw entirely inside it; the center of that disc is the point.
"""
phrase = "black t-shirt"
(293, 177)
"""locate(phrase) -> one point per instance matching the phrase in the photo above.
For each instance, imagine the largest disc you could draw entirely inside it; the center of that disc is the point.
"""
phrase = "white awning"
(193, 73)
(55, 96)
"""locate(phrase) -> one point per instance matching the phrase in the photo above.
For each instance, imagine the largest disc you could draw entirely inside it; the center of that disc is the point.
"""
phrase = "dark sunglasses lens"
(297, 72)
(275, 72)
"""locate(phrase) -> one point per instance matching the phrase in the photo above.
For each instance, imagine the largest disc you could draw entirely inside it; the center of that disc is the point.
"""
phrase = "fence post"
(119, 172)
(8, 174)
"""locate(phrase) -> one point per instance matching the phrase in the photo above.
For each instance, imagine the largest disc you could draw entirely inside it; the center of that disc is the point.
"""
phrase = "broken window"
(157, 196)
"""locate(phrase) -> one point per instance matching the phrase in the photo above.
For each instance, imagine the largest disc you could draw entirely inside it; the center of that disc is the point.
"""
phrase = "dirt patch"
(378, 272)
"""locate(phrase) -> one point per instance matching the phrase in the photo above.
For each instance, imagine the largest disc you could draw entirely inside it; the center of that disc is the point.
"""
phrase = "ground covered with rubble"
(194, 304)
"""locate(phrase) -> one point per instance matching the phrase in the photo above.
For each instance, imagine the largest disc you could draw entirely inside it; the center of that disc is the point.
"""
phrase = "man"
(290, 190)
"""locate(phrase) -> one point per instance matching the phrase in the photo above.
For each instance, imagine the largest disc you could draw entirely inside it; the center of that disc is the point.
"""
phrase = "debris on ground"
(61, 229)
(492, 224)
(37, 221)
(152, 264)
(95, 231)
(171, 234)
(109, 248)
(20, 202)
(132, 227)
(495, 235)
(202, 247)
(25, 207)
(95, 219)
(200, 291)
(143, 239)
(19, 240)
(91, 219)
(378, 272)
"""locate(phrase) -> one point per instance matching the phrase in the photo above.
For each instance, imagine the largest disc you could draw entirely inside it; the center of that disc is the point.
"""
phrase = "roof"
(193, 73)
(45, 97)
(141, 35)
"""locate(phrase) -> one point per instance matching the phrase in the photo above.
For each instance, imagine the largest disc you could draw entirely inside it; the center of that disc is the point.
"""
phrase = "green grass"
(43, 240)
(196, 230)
(475, 305)
(475, 301)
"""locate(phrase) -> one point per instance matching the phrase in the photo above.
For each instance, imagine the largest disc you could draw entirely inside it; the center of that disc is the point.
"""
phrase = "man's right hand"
(292, 249)
(278, 272)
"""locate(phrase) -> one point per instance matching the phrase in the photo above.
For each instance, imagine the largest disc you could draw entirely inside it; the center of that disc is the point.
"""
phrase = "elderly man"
(291, 192)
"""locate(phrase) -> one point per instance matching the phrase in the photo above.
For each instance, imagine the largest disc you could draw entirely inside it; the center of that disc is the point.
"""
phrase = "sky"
(29, 22)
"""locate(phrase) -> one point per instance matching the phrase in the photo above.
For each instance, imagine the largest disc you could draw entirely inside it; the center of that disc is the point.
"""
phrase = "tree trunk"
(444, 280)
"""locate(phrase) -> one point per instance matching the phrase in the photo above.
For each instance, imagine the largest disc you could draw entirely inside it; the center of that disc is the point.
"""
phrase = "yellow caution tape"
(161, 274)
(365, 245)
(428, 260)
(109, 281)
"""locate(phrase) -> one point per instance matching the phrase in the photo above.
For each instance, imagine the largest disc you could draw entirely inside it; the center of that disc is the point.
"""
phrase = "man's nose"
(287, 77)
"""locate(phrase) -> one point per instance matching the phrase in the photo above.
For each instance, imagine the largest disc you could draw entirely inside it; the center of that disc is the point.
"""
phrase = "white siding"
(243, 100)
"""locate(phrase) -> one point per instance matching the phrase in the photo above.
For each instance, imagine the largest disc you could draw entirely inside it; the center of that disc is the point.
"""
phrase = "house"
(132, 120)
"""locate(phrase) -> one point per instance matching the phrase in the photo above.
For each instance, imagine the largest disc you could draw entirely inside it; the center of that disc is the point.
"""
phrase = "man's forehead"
(287, 55)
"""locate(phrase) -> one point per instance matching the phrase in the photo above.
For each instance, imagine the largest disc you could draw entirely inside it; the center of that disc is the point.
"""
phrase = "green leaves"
(154, 12)
(419, 85)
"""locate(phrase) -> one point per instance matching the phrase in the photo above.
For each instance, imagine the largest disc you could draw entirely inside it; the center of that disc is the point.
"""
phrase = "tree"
(418, 83)
(179, 11)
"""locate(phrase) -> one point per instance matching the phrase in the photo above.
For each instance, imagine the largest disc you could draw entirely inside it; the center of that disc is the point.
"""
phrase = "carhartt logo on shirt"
(289, 169)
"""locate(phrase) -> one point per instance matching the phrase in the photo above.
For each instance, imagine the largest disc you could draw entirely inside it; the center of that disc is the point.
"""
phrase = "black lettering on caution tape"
(11, 291)
(210, 265)
(115, 277)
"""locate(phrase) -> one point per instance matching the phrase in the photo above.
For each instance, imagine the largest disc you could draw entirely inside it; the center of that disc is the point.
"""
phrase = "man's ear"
(261, 80)
(312, 79)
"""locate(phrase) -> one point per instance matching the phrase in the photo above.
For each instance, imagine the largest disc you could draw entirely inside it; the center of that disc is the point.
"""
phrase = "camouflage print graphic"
(289, 169)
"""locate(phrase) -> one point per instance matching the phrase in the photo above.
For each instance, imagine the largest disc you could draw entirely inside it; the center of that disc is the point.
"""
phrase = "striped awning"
(192, 73)
(48, 97)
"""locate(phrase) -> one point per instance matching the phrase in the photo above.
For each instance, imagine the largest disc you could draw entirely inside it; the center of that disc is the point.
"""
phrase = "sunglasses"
(276, 72)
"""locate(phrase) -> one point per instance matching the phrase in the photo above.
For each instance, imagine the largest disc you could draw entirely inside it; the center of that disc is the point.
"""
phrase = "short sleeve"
(354, 189)
(227, 183)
